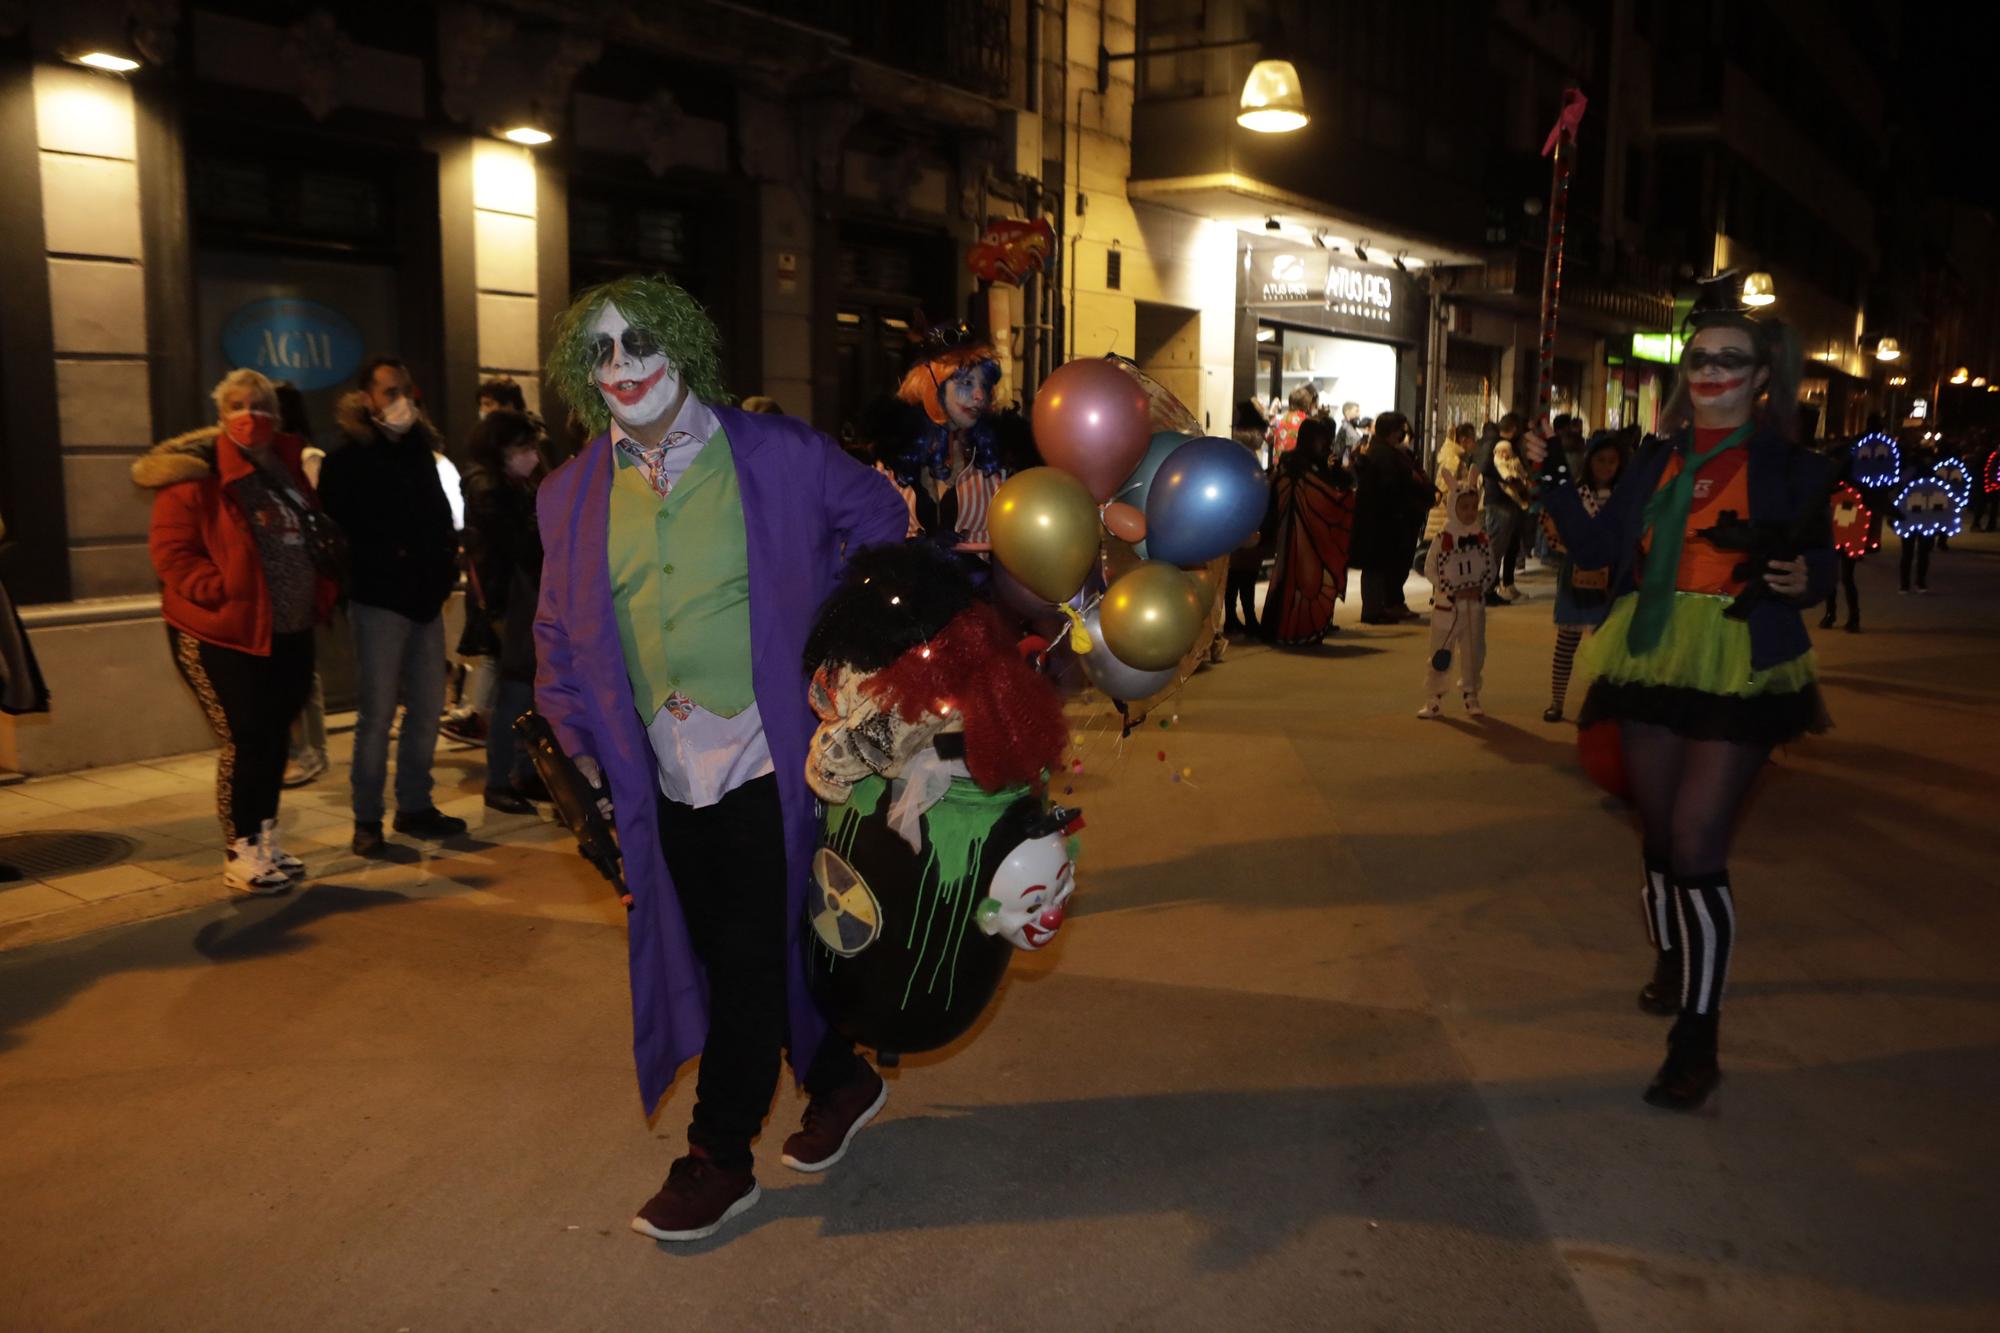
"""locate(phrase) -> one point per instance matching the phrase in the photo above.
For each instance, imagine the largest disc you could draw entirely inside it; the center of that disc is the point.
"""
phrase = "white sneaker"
(1472, 707)
(300, 771)
(1432, 707)
(289, 865)
(247, 869)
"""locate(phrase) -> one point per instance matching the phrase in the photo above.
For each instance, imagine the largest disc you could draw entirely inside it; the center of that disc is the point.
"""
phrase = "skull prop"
(859, 734)
(902, 654)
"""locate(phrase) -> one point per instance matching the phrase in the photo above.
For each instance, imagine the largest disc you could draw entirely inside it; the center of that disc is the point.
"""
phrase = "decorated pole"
(1561, 146)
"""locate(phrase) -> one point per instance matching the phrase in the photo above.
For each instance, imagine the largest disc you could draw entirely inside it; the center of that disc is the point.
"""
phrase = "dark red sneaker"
(697, 1199)
(832, 1121)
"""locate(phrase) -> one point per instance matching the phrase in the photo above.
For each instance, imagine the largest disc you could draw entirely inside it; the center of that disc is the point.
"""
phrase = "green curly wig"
(655, 304)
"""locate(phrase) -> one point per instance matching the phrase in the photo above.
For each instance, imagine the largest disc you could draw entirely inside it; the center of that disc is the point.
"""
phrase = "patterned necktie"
(651, 459)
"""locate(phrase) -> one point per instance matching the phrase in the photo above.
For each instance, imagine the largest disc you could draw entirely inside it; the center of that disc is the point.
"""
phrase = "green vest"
(680, 583)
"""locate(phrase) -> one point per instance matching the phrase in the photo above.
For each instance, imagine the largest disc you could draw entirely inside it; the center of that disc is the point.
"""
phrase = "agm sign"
(1355, 292)
(312, 345)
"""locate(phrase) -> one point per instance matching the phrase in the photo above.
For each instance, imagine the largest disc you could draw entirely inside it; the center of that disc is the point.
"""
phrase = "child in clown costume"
(1460, 568)
(688, 547)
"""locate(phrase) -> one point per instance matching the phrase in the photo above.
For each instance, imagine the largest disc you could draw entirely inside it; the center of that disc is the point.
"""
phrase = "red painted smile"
(1714, 388)
(629, 392)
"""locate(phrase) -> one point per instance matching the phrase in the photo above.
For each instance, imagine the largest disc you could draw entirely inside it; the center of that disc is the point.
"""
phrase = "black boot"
(1662, 995)
(1853, 625)
(1826, 621)
(1690, 1072)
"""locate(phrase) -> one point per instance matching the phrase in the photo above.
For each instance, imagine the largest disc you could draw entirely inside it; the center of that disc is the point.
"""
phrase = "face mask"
(398, 417)
(250, 430)
(521, 463)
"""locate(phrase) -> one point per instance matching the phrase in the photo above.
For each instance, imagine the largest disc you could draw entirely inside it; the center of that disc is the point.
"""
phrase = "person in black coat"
(503, 549)
(1391, 497)
(382, 488)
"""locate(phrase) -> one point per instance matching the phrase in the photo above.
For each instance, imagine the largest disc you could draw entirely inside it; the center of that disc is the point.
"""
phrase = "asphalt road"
(1341, 1035)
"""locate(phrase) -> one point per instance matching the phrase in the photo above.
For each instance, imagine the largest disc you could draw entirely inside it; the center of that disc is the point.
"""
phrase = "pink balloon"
(1125, 522)
(1093, 421)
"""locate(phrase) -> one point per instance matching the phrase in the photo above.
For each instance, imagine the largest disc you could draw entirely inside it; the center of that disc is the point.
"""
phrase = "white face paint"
(640, 385)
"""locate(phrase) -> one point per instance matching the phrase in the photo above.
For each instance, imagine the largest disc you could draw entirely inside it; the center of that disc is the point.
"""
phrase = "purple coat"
(805, 506)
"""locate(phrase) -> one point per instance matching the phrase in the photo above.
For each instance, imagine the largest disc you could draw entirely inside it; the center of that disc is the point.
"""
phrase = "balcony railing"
(965, 43)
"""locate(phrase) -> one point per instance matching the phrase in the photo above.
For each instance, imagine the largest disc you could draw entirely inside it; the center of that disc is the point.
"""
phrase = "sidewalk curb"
(127, 908)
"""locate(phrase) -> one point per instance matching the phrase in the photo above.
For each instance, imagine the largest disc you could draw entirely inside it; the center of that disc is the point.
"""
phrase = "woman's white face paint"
(640, 385)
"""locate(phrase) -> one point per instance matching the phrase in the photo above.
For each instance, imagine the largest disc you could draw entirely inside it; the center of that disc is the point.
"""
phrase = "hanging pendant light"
(1759, 290)
(1273, 102)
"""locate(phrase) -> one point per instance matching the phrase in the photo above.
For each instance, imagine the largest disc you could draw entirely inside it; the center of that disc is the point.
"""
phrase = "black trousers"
(250, 702)
(1381, 590)
(728, 865)
(1240, 589)
(1847, 564)
(1920, 548)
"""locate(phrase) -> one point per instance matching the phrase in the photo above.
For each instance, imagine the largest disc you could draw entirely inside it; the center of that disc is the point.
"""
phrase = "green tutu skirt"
(1697, 681)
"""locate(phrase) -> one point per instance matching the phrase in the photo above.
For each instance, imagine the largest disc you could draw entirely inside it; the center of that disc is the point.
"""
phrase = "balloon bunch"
(1178, 500)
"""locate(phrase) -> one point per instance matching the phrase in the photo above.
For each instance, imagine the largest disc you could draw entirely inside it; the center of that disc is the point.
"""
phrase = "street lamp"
(106, 62)
(1273, 102)
(1759, 290)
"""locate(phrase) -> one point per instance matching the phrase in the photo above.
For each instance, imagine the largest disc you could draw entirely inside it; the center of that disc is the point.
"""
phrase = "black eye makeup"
(638, 344)
(1730, 359)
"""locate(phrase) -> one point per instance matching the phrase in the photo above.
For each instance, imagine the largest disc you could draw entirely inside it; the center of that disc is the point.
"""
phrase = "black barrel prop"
(906, 946)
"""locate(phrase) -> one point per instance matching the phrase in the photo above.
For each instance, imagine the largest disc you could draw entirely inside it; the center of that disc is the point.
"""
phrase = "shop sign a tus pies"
(1354, 292)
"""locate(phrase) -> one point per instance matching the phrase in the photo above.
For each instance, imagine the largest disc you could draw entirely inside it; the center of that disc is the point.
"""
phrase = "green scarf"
(1666, 516)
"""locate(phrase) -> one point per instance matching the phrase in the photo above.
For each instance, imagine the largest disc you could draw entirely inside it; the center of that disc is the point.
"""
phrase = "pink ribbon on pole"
(1572, 115)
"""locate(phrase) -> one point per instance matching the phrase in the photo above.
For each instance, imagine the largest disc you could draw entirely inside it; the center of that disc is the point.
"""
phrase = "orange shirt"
(1722, 484)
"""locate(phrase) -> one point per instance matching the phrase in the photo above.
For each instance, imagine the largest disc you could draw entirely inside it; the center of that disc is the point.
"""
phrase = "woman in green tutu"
(1716, 537)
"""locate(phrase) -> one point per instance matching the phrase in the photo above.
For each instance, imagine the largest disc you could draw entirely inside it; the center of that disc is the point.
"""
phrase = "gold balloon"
(1151, 615)
(1044, 529)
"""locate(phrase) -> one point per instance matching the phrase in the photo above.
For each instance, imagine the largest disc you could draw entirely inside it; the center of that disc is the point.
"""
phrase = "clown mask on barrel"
(940, 854)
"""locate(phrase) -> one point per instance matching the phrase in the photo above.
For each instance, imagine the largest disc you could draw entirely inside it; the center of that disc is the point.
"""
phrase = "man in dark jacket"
(382, 488)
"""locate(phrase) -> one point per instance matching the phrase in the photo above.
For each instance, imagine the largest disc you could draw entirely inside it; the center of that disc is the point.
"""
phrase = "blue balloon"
(1135, 488)
(1205, 501)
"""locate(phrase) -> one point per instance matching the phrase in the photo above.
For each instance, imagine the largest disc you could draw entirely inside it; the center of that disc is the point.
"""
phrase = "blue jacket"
(1787, 484)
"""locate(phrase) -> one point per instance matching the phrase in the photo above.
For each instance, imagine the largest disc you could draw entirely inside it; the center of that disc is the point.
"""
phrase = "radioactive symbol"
(849, 918)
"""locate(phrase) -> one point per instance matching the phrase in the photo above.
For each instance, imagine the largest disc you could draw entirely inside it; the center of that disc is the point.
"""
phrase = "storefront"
(1326, 320)
(1637, 378)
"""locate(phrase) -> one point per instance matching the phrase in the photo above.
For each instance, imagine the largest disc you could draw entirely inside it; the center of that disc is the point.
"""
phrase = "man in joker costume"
(688, 547)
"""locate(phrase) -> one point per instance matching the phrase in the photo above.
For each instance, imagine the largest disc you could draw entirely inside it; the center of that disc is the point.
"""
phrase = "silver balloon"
(1114, 677)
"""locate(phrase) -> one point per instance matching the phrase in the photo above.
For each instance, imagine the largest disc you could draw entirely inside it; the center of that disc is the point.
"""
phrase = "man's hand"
(595, 777)
(1787, 578)
(1534, 448)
